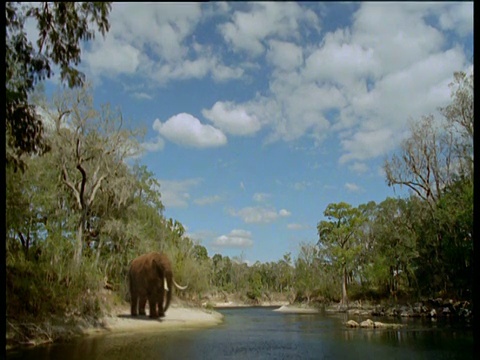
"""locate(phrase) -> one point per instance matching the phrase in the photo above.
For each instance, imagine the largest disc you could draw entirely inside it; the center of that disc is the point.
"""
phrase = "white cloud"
(340, 61)
(110, 57)
(284, 213)
(237, 238)
(261, 197)
(151, 146)
(353, 187)
(408, 93)
(360, 82)
(159, 28)
(208, 200)
(284, 55)
(258, 214)
(184, 129)
(142, 96)
(457, 17)
(232, 119)
(367, 144)
(359, 167)
(302, 185)
(222, 73)
(176, 193)
(397, 32)
(296, 226)
(249, 29)
(155, 42)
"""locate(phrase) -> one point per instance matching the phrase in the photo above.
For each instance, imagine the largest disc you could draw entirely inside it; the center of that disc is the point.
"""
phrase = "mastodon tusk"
(179, 286)
(165, 284)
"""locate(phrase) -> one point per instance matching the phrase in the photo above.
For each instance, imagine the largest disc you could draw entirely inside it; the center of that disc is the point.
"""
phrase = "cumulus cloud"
(155, 145)
(185, 129)
(284, 213)
(301, 185)
(177, 193)
(232, 119)
(353, 187)
(367, 144)
(248, 29)
(208, 200)
(111, 57)
(258, 214)
(360, 82)
(261, 197)
(155, 43)
(358, 167)
(284, 55)
(237, 238)
(159, 28)
(457, 17)
(223, 73)
(296, 226)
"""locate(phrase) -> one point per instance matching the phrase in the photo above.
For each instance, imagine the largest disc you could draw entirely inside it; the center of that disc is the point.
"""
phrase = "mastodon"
(150, 276)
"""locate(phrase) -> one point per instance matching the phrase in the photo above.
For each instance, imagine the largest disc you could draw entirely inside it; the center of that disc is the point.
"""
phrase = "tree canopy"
(62, 26)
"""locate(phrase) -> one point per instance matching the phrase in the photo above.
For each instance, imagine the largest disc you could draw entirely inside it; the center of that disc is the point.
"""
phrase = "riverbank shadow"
(139, 317)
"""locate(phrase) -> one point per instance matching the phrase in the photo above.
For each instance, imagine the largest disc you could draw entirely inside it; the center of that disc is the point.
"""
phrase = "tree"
(460, 122)
(435, 159)
(396, 246)
(200, 253)
(339, 238)
(61, 28)
(455, 217)
(436, 154)
(285, 273)
(91, 148)
(424, 163)
(307, 270)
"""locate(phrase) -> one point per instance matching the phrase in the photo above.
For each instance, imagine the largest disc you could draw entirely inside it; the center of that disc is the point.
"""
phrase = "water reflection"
(263, 333)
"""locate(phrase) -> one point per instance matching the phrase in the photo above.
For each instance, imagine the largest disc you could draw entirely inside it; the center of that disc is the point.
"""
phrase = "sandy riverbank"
(234, 304)
(291, 309)
(176, 317)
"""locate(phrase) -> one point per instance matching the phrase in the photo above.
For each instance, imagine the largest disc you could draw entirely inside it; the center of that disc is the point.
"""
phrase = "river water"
(260, 333)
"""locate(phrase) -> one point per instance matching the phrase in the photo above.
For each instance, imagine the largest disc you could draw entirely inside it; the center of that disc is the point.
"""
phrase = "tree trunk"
(99, 249)
(79, 245)
(344, 287)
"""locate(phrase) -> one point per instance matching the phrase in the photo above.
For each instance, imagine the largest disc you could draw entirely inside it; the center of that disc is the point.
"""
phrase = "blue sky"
(258, 115)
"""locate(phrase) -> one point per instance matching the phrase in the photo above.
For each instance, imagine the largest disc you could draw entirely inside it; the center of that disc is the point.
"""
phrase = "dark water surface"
(260, 333)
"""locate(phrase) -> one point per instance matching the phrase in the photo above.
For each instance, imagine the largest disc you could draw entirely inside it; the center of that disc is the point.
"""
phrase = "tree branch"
(71, 186)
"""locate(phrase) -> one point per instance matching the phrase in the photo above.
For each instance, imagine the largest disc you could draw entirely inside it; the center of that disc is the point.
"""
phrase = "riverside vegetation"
(77, 214)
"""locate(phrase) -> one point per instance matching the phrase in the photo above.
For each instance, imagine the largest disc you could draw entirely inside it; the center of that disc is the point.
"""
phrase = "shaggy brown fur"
(147, 274)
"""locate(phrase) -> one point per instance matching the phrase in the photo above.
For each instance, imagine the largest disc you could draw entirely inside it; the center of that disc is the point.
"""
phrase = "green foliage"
(48, 285)
(339, 238)
(61, 29)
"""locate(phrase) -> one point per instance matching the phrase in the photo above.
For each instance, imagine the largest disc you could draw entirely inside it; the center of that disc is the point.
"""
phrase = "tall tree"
(91, 147)
(62, 26)
(339, 238)
(436, 153)
(433, 160)
(460, 122)
(307, 270)
(396, 246)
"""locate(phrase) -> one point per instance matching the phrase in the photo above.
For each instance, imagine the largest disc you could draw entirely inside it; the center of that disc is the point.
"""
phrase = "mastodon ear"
(165, 284)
